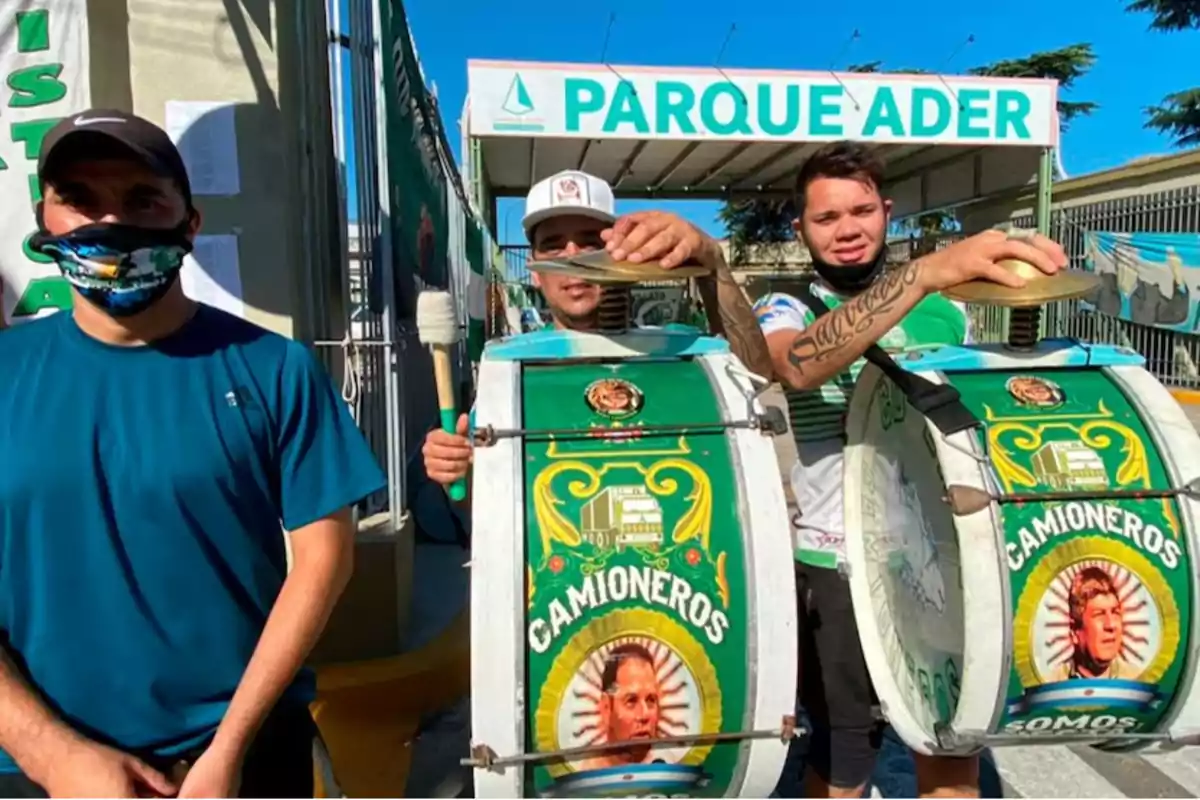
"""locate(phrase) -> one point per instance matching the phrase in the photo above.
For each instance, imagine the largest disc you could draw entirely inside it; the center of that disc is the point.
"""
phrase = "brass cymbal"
(599, 267)
(1039, 288)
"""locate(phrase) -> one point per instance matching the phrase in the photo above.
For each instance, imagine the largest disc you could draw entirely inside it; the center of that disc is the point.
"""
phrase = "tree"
(1169, 15)
(1178, 114)
(756, 220)
(1065, 65)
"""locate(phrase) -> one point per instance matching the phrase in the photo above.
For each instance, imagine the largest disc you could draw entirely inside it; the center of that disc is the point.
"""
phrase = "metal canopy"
(531, 120)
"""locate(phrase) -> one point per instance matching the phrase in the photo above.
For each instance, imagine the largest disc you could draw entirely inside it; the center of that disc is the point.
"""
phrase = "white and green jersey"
(818, 416)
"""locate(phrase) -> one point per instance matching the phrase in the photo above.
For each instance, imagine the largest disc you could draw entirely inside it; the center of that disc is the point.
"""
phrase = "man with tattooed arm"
(843, 220)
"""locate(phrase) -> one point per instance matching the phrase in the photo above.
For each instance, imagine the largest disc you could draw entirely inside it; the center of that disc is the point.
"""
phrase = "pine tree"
(1178, 114)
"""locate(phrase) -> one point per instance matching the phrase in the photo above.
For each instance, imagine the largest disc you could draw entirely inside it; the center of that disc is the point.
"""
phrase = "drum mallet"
(437, 326)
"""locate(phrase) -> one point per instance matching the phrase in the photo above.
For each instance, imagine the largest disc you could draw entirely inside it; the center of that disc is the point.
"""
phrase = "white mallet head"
(437, 320)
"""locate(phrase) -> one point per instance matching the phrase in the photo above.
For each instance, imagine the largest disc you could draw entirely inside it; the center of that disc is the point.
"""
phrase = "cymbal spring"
(1024, 325)
(616, 309)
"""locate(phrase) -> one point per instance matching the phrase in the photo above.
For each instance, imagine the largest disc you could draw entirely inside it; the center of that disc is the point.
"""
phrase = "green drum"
(640, 507)
(1031, 579)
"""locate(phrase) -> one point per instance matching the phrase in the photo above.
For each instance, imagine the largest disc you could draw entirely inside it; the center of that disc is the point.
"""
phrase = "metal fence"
(369, 347)
(1171, 356)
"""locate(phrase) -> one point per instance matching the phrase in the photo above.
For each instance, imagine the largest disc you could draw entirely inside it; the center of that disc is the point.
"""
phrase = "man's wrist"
(50, 749)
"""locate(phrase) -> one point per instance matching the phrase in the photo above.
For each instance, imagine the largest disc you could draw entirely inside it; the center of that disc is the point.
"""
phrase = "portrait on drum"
(571, 213)
(1097, 630)
(629, 706)
(817, 341)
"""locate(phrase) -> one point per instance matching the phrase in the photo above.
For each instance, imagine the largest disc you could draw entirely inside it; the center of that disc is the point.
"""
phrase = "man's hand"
(89, 769)
(216, 773)
(447, 455)
(977, 257)
(658, 236)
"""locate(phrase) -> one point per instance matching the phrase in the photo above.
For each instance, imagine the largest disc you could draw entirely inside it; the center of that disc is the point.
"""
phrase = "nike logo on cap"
(81, 122)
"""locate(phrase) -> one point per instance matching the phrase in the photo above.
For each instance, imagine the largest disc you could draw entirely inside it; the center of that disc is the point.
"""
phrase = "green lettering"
(674, 100)
(820, 107)
(42, 294)
(584, 96)
(921, 125)
(972, 108)
(1012, 111)
(35, 188)
(791, 119)
(626, 109)
(31, 132)
(36, 86)
(33, 31)
(738, 123)
(884, 113)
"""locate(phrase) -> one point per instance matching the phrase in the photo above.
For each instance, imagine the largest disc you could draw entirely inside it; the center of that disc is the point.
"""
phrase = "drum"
(1030, 580)
(632, 621)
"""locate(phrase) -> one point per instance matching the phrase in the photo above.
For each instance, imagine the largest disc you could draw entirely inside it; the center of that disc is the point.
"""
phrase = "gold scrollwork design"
(1134, 468)
(696, 522)
(552, 525)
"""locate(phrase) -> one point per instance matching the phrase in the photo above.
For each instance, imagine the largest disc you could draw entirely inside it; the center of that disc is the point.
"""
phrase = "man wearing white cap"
(573, 212)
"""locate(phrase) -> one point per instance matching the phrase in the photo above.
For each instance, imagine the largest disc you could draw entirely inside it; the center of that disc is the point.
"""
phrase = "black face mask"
(851, 278)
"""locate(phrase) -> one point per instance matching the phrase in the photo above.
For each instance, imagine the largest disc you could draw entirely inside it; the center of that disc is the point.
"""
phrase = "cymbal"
(1039, 288)
(599, 267)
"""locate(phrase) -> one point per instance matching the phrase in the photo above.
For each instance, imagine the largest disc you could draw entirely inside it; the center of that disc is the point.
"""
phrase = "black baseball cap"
(146, 141)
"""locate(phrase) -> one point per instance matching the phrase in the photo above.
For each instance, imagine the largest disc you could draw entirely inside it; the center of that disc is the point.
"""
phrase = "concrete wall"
(270, 59)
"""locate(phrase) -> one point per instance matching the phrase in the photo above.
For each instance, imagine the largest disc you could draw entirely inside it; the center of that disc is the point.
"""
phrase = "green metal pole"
(1045, 181)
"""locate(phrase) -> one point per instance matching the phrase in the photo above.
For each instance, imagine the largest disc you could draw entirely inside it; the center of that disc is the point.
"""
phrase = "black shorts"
(835, 686)
(279, 762)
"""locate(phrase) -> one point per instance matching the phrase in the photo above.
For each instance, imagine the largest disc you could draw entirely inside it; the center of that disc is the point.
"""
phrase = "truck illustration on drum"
(622, 516)
(1069, 466)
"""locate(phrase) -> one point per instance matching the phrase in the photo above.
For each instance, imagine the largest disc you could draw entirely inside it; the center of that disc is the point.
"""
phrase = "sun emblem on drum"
(1036, 392)
(613, 398)
(1097, 620)
(632, 689)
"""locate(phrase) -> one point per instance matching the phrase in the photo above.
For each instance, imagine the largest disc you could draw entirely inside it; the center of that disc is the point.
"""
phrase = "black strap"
(939, 402)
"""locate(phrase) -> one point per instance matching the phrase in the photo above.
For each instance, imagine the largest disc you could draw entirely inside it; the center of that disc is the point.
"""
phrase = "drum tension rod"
(964, 500)
(769, 423)
(483, 757)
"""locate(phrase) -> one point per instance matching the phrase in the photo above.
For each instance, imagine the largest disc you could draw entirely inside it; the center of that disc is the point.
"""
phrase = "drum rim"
(1159, 413)
(771, 671)
(986, 660)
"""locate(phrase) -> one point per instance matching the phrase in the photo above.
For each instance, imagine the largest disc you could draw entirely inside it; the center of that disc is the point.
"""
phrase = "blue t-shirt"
(143, 497)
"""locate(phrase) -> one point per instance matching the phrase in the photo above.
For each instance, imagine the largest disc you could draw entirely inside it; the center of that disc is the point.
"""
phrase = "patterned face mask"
(123, 269)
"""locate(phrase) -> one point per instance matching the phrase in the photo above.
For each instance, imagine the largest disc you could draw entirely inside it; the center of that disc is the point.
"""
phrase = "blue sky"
(1134, 68)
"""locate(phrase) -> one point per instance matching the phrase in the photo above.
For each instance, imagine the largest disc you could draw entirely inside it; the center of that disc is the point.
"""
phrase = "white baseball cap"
(569, 192)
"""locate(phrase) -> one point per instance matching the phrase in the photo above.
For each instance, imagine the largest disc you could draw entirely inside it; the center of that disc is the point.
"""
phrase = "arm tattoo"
(735, 319)
(843, 325)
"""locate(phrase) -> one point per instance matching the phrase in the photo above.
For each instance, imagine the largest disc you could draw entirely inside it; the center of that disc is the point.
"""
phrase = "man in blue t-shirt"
(155, 451)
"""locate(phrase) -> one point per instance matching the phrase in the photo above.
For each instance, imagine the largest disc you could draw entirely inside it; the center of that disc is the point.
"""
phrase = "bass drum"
(1032, 580)
(630, 568)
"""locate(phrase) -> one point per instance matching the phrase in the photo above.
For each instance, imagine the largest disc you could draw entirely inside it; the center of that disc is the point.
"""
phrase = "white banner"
(527, 99)
(44, 65)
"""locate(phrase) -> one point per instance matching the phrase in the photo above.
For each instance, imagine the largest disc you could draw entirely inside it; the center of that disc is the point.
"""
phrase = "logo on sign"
(518, 105)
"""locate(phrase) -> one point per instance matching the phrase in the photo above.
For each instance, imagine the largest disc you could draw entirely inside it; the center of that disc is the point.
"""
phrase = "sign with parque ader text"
(567, 100)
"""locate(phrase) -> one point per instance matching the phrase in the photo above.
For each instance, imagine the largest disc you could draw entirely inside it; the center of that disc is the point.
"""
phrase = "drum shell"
(546, 514)
(1030, 572)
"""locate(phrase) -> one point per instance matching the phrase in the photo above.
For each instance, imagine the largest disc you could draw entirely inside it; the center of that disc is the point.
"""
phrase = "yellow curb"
(368, 712)
(1186, 396)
